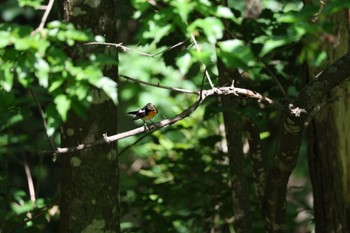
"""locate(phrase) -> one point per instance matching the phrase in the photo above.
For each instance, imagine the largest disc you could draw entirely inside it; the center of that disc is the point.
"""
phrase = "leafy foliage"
(37, 67)
(183, 182)
(177, 179)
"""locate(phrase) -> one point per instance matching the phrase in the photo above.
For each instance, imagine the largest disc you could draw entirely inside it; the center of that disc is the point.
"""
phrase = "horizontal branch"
(160, 86)
(240, 92)
(108, 139)
(332, 76)
(125, 48)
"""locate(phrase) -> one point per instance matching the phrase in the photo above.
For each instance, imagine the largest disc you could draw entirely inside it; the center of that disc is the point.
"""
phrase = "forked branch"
(202, 95)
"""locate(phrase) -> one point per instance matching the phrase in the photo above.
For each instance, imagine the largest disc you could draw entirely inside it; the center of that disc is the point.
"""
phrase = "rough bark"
(330, 143)
(292, 130)
(234, 133)
(257, 159)
(89, 199)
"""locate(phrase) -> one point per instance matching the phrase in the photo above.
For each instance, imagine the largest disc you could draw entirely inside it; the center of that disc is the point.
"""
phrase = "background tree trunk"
(89, 198)
(234, 133)
(330, 142)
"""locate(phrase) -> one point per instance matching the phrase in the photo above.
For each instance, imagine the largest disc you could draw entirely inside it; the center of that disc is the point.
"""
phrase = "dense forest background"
(252, 131)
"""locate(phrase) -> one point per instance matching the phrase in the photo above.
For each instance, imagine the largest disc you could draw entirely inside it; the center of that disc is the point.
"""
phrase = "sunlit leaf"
(4, 38)
(224, 12)
(212, 28)
(109, 86)
(234, 54)
(9, 119)
(6, 76)
(272, 43)
(55, 84)
(31, 3)
(42, 71)
(62, 105)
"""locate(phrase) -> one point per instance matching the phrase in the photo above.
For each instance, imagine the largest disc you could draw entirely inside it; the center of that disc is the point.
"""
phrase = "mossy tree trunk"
(89, 198)
(330, 142)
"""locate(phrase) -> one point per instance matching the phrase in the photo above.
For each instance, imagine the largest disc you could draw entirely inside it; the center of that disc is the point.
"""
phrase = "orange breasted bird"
(145, 113)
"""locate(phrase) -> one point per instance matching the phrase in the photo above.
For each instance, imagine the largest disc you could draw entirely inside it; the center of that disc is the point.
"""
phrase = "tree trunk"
(234, 133)
(330, 144)
(89, 199)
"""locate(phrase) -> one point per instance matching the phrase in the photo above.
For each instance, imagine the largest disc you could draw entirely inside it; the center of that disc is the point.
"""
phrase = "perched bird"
(145, 113)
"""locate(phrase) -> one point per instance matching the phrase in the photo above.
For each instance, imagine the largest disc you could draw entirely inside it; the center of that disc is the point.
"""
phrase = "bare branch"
(108, 139)
(44, 18)
(166, 122)
(293, 128)
(204, 66)
(29, 181)
(268, 70)
(125, 48)
(134, 143)
(160, 86)
(40, 109)
(332, 76)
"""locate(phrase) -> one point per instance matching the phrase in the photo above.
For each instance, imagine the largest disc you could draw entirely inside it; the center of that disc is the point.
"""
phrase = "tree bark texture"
(89, 199)
(329, 145)
(234, 133)
(292, 131)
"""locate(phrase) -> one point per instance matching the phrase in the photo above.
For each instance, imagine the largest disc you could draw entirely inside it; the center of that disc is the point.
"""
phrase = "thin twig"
(120, 45)
(134, 143)
(40, 109)
(170, 48)
(204, 66)
(29, 181)
(36, 213)
(166, 122)
(160, 86)
(202, 85)
(268, 70)
(44, 18)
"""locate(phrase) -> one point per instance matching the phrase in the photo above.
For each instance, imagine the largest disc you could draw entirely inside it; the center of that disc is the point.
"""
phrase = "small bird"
(145, 113)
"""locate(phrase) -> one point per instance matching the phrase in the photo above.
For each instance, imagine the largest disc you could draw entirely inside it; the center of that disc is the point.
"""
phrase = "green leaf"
(335, 6)
(22, 44)
(288, 17)
(212, 28)
(183, 8)
(234, 54)
(91, 72)
(321, 57)
(157, 31)
(109, 86)
(5, 38)
(274, 42)
(264, 135)
(42, 71)
(80, 90)
(66, 33)
(32, 3)
(100, 38)
(6, 76)
(224, 12)
(55, 84)
(8, 119)
(184, 63)
(62, 105)
(22, 76)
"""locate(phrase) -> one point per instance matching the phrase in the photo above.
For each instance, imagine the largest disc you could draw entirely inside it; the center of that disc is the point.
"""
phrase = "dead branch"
(166, 122)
